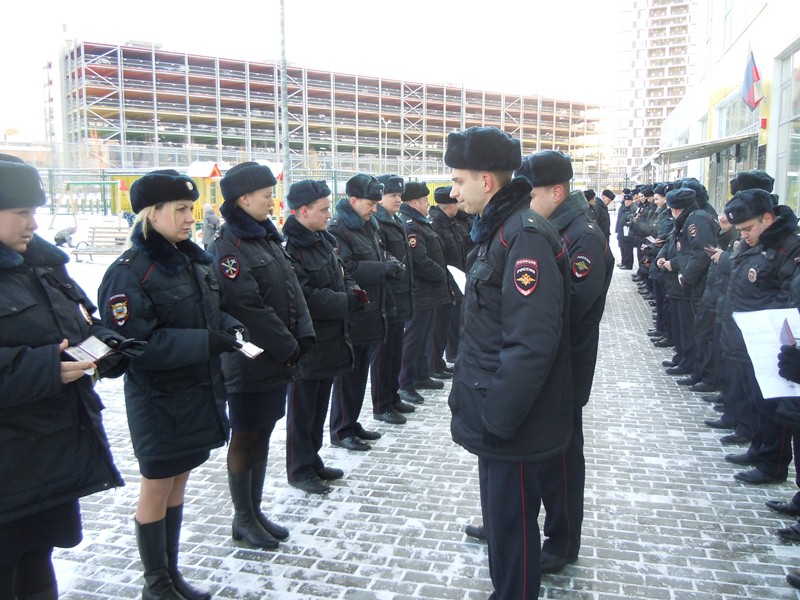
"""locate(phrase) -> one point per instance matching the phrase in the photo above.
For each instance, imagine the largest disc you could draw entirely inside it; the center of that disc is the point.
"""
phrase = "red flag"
(751, 88)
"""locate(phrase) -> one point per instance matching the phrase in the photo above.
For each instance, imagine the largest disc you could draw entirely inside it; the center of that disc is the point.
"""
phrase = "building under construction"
(138, 106)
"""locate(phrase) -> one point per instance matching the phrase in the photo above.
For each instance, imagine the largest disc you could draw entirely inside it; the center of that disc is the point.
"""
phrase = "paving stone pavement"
(664, 516)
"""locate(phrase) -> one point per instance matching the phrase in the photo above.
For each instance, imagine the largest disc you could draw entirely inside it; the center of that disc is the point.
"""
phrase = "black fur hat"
(482, 149)
(305, 192)
(20, 184)
(681, 197)
(648, 191)
(698, 188)
(660, 189)
(364, 186)
(627, 196)
(589, 194)
(392, 184)
(756, 179)
(608, 194)
(244, 178)
(414, 190)
(748, 204)
(441, 195)
(547, 167)
(164, 185)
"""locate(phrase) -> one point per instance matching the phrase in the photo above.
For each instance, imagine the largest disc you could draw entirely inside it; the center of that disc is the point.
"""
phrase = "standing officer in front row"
(511, 399)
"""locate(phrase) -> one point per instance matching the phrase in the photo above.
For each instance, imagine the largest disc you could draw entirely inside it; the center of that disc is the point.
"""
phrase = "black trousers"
(626, 252)
(454, 331)
(510, 500)
(347, 397)
(682, 315)
(663, 323)
(441, 327)
(563, 479)
(306, 409)
(704, 320)
(771, 444)
(736, 396)
(416, 348)
(385, 368)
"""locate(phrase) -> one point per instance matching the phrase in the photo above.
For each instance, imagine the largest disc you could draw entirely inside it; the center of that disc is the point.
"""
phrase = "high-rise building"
(138, 106)
(656, 42)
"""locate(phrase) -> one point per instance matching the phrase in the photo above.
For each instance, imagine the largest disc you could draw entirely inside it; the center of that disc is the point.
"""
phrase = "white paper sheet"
(761, 331)
(459, 276)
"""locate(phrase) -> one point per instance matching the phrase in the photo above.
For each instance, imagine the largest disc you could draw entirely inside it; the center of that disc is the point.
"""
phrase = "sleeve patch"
(581, 266)
(526, 275)
(120, 308)
(412, 240)
(229, 266)
(692, 230)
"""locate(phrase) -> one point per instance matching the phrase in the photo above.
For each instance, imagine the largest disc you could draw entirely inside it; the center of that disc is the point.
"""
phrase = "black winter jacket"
(513, 376)
(359, 247)
(321, 275)
(53, 448)
(591, 267)
(452, 243)
(168, 296)
(261, 290)
(392, 233)
(430, 283)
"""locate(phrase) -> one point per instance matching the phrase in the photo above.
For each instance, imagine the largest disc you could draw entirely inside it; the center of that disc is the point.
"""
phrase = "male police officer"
(511, 399)
(356, 233)
(591, 265)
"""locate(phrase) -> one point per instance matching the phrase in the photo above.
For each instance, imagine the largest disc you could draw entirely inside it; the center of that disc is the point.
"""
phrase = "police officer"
(387, 354)
(447, 316)
(685, 263)
(430, 289)
(591, 266)
(53, 445)
(602, 218)
(663, 221)
(761, 271)
(625, 216)
(163, 290)
(511, 398)
(356, 233)
(328, 294)
(262, 291)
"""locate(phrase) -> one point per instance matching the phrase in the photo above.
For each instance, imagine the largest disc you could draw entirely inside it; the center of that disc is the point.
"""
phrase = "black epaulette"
(528, 222)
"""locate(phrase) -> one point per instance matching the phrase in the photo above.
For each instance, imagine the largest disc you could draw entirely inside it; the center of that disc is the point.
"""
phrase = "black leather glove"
(126, 346)
(789, 363)
(221, 341)
(493, 441)
(393, 269)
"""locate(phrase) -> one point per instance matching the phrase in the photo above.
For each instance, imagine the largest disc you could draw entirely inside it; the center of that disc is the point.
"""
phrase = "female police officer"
(163, 290)
(53, 449)
(261, 290)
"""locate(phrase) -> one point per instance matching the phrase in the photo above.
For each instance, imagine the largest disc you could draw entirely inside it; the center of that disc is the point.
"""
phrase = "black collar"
(170, 259)
(39, 253)
(511, 197)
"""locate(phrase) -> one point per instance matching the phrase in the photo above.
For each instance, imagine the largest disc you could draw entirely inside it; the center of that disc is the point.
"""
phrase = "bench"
(103, 240)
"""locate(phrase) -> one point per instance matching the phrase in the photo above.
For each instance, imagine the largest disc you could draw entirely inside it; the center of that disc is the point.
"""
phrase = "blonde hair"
(146, 214)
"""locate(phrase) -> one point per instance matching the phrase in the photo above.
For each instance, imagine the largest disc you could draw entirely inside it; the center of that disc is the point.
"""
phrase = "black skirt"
(162, 469)
(251, 412)
(57, 527)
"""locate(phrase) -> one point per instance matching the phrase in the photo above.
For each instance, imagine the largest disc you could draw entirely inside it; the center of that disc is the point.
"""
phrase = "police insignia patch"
(229, 266)
(526, 275)
(412, 240)
(581, 266)
(692, 230)
(752, 275)
(120, 309)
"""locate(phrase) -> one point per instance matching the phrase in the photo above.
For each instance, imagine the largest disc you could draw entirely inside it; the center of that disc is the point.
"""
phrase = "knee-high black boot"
(152, 541)
(185, 589)
(245, 524)
(259, 475)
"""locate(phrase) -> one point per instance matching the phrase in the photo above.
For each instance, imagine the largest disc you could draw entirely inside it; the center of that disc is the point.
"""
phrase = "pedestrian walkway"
(664, 516)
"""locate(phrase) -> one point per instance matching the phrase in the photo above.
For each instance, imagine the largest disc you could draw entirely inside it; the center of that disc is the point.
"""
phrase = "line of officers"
(696, 269)
(218, 346)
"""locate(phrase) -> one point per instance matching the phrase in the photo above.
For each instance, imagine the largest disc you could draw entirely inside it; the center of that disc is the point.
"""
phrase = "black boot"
(245, 524)
(259, 475)
(174, 520)
(152, 541)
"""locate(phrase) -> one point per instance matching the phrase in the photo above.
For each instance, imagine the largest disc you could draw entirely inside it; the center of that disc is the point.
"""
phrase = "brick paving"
(664, 516)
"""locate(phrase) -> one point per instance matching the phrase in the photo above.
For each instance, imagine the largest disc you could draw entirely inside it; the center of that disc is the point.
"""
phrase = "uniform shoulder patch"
(752, 275)
(692, 230)
(412, 240)
(581, 265)
(526, 275)
(229, 266)
(119, 304)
